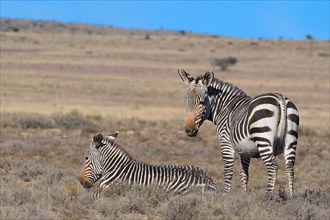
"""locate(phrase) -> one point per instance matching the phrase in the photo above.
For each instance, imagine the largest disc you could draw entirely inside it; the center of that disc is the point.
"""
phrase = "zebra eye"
(86, 157)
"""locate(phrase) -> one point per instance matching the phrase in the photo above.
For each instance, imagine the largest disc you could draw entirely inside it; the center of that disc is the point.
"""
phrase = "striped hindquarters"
(190, 176)
(267, 122)
(292, 131)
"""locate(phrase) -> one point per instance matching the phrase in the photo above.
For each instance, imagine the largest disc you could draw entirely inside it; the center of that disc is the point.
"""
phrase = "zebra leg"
(291, 143)
(272, 167)
(290, 175)
(266, 154)
(228, 160)
(245, 162)
(96, 192)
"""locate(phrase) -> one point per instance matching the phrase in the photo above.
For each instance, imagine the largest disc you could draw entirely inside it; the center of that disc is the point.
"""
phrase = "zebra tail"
(282, 126)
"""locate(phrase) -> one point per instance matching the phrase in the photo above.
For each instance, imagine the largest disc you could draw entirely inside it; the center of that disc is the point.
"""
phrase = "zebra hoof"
(269, 196)
(282, 194)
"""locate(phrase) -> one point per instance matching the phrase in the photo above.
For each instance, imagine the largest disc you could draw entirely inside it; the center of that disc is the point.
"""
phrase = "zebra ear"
(97, 139)
(186, 77)
(112, 137)
(208, 78)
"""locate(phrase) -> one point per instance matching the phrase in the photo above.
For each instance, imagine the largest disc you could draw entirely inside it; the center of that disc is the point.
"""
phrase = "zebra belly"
(247, 148)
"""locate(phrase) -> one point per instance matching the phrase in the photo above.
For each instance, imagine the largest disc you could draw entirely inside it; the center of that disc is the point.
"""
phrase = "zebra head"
(92, 171)
(197, 101)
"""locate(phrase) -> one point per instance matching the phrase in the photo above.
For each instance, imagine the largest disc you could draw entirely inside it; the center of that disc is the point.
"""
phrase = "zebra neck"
(225, 98)
(112, 152)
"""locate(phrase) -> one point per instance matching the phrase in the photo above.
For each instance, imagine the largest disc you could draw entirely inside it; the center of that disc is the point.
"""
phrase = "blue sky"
(248, 19)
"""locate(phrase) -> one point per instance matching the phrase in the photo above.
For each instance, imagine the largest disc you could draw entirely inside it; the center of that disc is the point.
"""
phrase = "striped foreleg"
(228, 160)
(245, 162)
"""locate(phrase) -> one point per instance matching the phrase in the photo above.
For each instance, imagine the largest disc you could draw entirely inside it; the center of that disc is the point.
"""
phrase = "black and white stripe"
(108, 162)
(264, 126)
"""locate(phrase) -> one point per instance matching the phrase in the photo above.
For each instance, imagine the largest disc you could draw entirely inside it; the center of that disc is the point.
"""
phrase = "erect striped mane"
(219, 86)
(115, 147)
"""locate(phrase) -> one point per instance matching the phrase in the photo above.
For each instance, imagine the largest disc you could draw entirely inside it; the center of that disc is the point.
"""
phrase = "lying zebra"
(109, 162)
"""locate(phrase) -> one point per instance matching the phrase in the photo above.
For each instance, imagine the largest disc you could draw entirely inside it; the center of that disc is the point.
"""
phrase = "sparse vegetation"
(36, 26)
(74, 120)
(131, 85)
(309, 37)
(324, 54)
(14, 29)
(71, 120)
(42, 166)
(254, 43)
(25, 120)
(182, 32)
(224, 63)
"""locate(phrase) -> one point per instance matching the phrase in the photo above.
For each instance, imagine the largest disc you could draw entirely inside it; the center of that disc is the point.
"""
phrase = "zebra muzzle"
(190, 127)
(191, 131)
(85, 182)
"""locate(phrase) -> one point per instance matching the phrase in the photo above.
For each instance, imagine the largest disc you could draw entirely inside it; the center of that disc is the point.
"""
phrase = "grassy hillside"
(61, 83)
(129, 75)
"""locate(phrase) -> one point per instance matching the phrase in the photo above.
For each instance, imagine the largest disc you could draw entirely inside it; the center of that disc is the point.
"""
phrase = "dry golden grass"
(129, 76)
(66, 87)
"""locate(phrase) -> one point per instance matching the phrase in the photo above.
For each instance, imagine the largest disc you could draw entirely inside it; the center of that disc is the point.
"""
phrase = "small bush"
(309, 37)
(224, 63)
(13, 147)
(152, 194)
(21, 195)
(324, 55)
(74, 120)
(130, 204)
(71, 120)
(13, 29)
(116, 190)
(25, 120)
(182, 32)
(317, 197)
(27, 175)
(184, 207)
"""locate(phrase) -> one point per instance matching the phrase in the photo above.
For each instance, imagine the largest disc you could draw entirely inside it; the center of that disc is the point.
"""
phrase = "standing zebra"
(264, 126)
(109, 162)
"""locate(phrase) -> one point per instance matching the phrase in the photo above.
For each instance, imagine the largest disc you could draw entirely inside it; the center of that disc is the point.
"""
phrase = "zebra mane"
(117, 148)
(217, 87)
